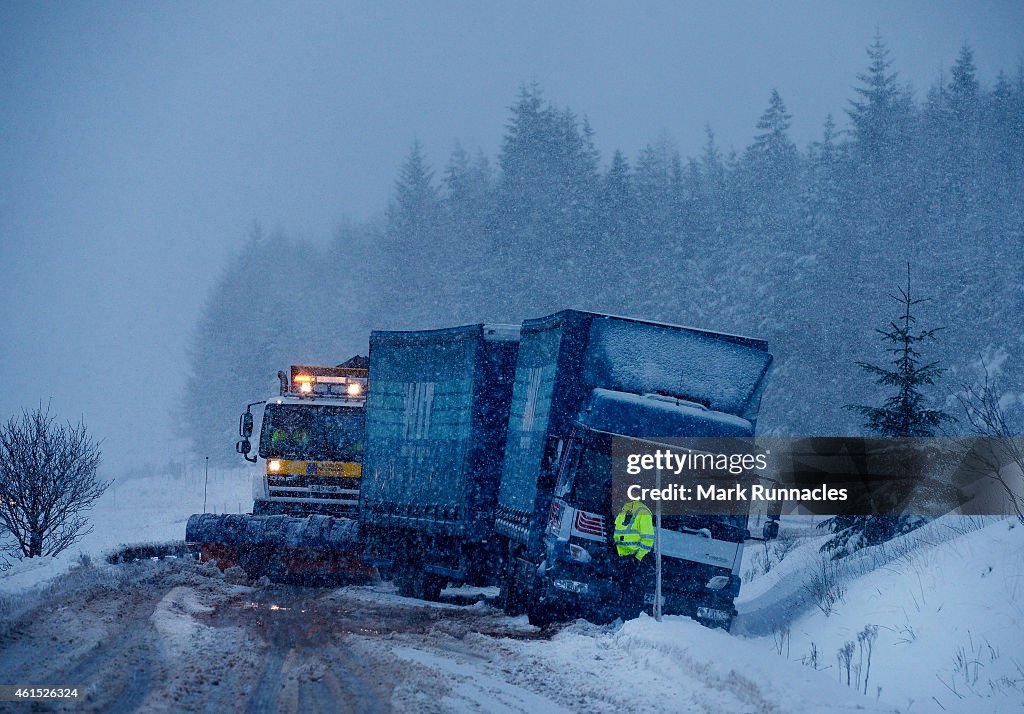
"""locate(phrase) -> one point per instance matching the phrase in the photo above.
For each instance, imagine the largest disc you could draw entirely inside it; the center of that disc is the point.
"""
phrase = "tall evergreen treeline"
(796, 245)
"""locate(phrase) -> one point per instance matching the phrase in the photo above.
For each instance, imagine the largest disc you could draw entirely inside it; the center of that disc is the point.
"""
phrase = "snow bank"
(688, 667)
(136, 510)
(942, 606)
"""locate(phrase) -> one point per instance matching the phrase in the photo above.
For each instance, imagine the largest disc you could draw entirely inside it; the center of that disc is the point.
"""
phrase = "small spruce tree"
(903, 414)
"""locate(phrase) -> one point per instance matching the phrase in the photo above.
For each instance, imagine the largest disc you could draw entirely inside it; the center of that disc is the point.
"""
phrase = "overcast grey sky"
(139, 141)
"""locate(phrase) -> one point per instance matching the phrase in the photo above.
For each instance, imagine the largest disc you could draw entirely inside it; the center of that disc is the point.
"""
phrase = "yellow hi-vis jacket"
(634, 530)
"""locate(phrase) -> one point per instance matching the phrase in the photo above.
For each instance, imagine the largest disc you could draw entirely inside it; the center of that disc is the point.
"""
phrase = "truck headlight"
(274, 465)
(579, 553)
(718, 582)
(354, 389)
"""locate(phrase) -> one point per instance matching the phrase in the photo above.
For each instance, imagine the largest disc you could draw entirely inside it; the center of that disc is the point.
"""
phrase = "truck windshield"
(313, 432)
(586, 481)
(592, 479)
(722, 527)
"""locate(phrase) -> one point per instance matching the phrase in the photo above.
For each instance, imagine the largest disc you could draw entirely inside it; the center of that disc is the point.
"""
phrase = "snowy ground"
(170, 635)
(946, 602)
(943, 607)
(141, 509)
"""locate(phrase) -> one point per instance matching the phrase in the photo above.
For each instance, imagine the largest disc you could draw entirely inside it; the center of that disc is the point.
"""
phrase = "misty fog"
(195, 196)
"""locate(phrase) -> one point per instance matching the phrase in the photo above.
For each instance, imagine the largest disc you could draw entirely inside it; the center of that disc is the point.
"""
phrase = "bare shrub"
(845, 657)
(823, 587)
(47, 478)
(785, 544)
(865, 645)
(1000, 453)
(781, 636)
(812, 658)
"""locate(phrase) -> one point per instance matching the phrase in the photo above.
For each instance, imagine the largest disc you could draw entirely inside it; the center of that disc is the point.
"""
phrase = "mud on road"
(175, 636)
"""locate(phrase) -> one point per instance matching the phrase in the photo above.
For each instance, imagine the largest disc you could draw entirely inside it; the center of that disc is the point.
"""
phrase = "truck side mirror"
(243, 447)
(245, 424)
(771, 529)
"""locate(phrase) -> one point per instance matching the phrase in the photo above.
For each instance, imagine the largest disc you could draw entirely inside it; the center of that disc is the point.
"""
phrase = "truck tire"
(538, 610)
(411, 581)
(510, 597)
(408, 581)
(538, 613)
(431, 588)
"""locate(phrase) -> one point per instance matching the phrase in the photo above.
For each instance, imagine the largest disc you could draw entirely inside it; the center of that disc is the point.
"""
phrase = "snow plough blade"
(316, 550)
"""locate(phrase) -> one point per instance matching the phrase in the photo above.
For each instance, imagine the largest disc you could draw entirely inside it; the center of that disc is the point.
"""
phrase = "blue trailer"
(582, 379)
(437, 412)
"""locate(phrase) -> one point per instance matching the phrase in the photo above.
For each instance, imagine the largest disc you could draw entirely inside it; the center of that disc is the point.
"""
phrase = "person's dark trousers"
(637, 578)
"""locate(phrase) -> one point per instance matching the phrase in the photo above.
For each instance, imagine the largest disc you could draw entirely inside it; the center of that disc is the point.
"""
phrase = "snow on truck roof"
(554, 318)
(492, 332)
(654, 415)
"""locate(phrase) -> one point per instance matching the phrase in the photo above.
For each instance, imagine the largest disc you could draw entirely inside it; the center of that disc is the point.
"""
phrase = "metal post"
(206, 482)
(657, 553)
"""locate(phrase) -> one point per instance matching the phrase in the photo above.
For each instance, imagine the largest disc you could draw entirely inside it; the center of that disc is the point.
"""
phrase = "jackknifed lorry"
(488, 461)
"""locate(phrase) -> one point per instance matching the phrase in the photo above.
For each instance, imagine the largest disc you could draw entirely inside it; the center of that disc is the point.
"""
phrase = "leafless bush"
(1000, 453)
(845, 657)
(47, 478)
(771, 554)
(823, 587)
(865, 645)
(780, 634)
(766, 561)
(785, 544)
(812, 658)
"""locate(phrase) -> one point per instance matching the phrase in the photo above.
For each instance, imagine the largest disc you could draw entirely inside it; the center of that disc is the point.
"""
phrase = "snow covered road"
(174, 636)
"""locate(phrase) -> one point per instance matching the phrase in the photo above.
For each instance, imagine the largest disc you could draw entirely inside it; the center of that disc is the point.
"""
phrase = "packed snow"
(940, 609)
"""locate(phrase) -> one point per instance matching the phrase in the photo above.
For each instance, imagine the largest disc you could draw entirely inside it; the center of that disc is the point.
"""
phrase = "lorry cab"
(701, 552)
(312, 441)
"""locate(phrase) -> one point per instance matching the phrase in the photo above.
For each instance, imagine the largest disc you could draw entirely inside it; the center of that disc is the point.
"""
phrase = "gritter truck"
(311, 440)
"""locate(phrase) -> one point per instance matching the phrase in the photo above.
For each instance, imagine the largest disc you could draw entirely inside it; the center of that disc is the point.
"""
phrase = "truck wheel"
(538, 614)
(432, 585)
(408, 581)
(511, 597)
(538, 611)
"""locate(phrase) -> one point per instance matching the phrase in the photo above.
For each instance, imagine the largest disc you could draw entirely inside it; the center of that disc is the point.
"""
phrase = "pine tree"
(819, 203)
(416, 255)
(879, 115)
(772, 151)
(655, 182)
(617, 205)
(468, 202)
(963, 87)
(417, 204)
(545, 204)
(903, 414)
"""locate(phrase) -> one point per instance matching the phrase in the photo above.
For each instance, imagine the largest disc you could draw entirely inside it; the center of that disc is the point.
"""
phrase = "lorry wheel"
(538, 611)
(408, 581)
(432, 585)
(511, 597)
(538, 614)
